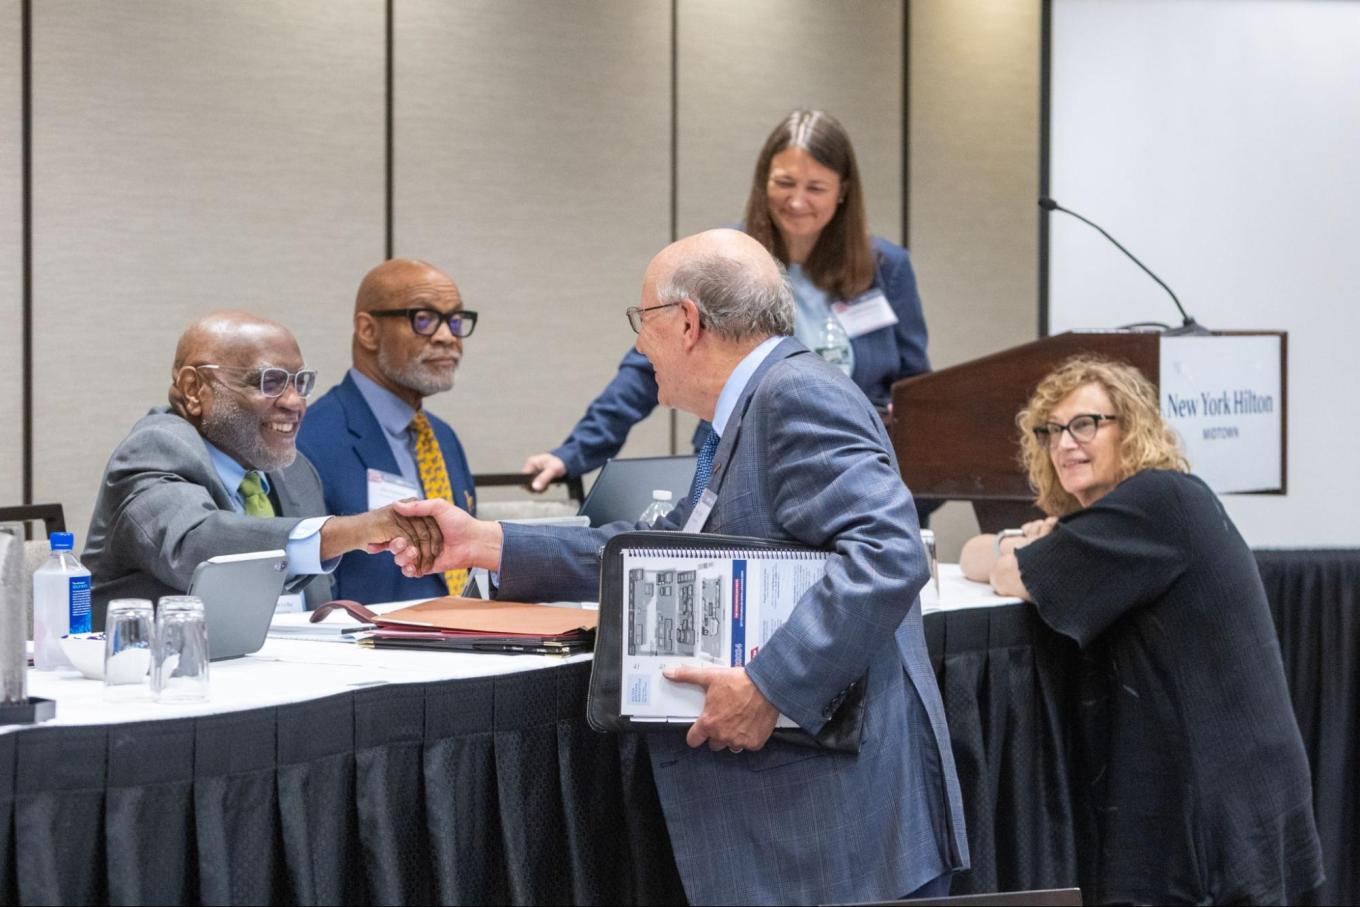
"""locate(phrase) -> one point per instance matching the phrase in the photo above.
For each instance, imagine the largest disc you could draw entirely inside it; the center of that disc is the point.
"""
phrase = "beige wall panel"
(11, 257)
(743, 66)
(533, 165)
(974, 147)
(191, 156)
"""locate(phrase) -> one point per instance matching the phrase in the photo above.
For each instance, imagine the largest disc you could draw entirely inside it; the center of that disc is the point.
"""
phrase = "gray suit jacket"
(803, 458)
(162, 509)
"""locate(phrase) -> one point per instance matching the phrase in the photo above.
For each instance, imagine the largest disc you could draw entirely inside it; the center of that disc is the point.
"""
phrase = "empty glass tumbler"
(129, 632)
(180, 656)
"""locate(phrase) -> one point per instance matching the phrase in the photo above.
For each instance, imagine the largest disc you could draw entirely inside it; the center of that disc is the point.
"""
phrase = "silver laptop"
(623, 489)
(239, 594)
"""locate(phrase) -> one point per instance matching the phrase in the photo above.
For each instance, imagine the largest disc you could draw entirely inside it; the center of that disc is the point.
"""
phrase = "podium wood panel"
(954, 430)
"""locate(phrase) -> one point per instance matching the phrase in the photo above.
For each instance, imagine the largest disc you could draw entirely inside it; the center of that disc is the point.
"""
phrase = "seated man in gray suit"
(217, 472)
(801, 456)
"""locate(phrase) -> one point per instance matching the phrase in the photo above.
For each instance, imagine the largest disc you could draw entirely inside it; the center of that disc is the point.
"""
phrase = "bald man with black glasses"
(371, 437)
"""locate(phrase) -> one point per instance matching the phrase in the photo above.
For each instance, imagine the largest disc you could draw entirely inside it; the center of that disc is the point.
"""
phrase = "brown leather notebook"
(473, 616)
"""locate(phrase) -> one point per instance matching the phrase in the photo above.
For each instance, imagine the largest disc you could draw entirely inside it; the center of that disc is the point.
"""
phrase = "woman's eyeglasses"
(1082, 428)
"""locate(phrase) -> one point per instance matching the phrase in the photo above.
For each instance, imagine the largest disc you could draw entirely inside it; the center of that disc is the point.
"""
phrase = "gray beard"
(231, 428)
(414, 375)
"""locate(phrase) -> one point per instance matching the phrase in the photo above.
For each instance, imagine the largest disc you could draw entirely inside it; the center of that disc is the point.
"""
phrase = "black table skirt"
(464, 792)
(495, 790)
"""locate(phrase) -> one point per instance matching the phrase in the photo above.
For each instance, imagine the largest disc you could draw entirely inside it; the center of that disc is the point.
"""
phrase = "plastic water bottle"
(833, 344)
(660, 506)
(61, 603)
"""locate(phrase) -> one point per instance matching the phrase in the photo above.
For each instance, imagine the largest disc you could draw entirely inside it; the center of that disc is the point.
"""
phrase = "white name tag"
(865, 313)
(289, 604)
(385, 488)
(699, 515)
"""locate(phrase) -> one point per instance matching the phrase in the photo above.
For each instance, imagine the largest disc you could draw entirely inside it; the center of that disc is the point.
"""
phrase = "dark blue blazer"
(342, 438)
(881, 357)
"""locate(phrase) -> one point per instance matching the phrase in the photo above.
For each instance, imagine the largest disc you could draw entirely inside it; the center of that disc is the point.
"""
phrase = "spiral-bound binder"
(699, 599)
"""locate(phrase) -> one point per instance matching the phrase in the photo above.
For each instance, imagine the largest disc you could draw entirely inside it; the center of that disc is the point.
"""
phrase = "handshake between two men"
(736, 715)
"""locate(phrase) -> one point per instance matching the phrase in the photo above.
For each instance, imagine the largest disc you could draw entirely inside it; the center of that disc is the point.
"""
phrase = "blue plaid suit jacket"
(803, 458)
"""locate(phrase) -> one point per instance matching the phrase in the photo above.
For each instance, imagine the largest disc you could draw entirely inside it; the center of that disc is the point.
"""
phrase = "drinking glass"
(129, 630)
(180, 655)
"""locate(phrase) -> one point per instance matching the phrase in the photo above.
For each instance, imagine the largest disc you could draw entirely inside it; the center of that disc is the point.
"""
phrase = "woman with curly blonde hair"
(1193, 764)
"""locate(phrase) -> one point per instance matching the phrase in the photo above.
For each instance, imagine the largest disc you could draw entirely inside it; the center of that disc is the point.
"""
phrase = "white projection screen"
(1219, 140)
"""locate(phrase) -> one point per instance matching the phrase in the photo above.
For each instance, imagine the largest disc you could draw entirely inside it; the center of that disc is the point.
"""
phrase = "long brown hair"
(1145, 440)
(842, 261)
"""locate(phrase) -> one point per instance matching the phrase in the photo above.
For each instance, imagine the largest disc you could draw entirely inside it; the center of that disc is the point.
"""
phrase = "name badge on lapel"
(865, 313)
(385, 488)
(699, 515)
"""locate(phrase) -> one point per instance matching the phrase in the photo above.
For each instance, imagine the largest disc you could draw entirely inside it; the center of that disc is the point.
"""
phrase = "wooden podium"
(954, 430)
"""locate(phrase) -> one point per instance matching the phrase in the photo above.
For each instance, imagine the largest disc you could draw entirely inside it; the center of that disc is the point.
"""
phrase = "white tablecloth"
(293, 669)
(284, 670)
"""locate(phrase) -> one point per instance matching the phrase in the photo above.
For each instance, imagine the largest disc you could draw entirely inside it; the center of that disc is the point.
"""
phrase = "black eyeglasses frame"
(1049, 433)
(464, 317)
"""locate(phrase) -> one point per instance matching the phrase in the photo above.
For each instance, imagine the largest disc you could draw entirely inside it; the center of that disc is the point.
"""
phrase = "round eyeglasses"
(1082, 428)
(273, 382)
(425, 322)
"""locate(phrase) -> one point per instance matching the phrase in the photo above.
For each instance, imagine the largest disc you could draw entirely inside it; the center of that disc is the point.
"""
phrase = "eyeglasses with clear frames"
(1082, 428)
(425, 322)
(273, 382)
(634, 314)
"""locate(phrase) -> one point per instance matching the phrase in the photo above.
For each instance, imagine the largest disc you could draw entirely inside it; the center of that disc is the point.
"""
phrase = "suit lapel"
(365, 434)
(723, 455)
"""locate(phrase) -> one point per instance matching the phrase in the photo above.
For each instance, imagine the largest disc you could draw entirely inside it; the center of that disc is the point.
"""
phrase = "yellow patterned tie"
(434, 478)
(257, 503)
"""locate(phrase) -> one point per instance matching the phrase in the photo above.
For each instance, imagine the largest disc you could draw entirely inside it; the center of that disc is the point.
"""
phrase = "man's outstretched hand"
(465, 540)
(375, 529)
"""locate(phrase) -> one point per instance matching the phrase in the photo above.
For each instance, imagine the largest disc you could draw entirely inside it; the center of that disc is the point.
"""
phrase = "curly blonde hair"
(1146, 441)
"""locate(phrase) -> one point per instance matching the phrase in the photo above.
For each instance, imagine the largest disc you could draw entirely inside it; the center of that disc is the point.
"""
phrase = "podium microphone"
(1188, 324)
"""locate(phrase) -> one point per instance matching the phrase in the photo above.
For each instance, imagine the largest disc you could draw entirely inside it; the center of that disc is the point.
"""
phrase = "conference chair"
(526, 508)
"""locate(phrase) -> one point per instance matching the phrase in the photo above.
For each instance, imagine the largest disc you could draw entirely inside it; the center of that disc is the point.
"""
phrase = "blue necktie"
(703, 470)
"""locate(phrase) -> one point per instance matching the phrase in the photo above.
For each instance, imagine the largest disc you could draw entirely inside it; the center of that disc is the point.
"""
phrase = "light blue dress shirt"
(304, 542)
(394, 416)
(736, 382)
(811, 308)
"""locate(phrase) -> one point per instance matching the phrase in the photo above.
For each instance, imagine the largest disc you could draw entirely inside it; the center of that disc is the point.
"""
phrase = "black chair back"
(52, 517)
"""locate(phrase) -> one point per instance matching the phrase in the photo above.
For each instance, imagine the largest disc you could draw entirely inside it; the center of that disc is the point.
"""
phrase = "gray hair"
(735, 300)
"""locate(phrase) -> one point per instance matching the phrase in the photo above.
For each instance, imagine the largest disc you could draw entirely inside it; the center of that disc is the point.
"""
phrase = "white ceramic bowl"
(130, 666)
(86, 652)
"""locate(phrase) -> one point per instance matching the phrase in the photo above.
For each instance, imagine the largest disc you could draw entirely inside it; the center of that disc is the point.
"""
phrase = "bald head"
(228, 334)
(736, 284)
(397, 278)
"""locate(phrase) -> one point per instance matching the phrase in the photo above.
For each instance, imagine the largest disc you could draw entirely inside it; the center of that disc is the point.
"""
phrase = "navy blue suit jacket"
(804, 458)
(881, 357)
(342, 438)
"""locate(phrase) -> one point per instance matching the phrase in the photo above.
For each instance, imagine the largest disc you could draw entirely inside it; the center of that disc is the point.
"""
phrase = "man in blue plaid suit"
(802, 455)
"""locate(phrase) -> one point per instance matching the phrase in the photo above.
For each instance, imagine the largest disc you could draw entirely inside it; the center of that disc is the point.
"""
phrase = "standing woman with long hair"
(855, 295)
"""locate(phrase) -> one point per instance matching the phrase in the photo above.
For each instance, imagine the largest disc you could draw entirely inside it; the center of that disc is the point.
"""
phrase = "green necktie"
(252, 494)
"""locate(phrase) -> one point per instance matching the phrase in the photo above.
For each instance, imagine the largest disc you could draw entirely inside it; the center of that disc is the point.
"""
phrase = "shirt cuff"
(304, 549)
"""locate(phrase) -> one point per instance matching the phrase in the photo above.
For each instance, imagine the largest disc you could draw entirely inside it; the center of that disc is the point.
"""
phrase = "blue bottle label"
(80, 604)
